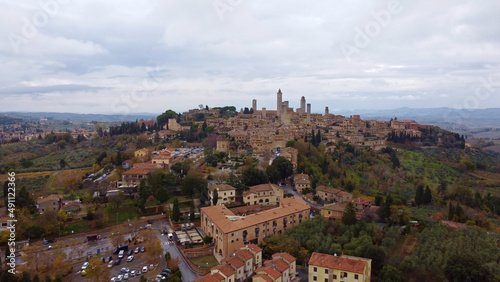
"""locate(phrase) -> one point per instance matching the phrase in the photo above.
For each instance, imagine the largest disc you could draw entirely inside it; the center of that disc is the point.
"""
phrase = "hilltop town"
(216, 194)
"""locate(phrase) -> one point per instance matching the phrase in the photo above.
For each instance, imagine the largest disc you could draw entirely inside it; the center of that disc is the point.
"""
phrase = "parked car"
(117, 262)
(130, 252)
(120, 254)
(143, 249)
(144, 269)
(132, 273)
(160, 277)
(125, 276)
(124, 270)
(150, 221)
(110, 258)
(85, 264)
(130, 258)
(151, 266)
(111, 263)
(137, 250)
(113, 279)
(119, 278)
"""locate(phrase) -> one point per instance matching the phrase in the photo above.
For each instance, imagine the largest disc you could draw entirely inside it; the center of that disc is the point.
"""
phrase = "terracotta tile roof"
(263, 187)
(135, 171)
(340, 207)
(269, 270)
(148, 167)
(343, 193)
(247, 193)
(219, 276)
(286, 256)
(209, 278)
(52, 197)
(236, 262)
(263, 277)
(301, 176)
(254, 248)
(218, 214)
(301, 179)
(225, 270)
(221, 187)
(361, 201)
(244, 255)
(161, 157)
(338, 262)
(328, 190)
(280, 264)
(71, 205)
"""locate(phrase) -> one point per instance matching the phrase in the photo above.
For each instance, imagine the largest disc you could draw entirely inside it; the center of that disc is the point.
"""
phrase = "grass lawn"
(202, 261)
(123, 213)
(77, 227)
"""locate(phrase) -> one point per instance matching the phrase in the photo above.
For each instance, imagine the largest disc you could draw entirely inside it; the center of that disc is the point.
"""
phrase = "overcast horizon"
(121, 57)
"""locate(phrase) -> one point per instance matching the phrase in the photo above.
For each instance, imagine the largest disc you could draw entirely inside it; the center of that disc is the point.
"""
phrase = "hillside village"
(254, 195)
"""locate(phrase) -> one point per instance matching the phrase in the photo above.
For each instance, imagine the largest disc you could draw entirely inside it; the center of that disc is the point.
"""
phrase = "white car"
(119, 278)
(130, 258)
(132, 273)
(151, 266)
(125, 276)
(125, 270)
(85, 264)
(113, 279)
(144, 269)
(110, 264)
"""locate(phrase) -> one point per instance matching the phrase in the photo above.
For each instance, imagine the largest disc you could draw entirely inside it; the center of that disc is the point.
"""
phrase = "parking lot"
(139, 260)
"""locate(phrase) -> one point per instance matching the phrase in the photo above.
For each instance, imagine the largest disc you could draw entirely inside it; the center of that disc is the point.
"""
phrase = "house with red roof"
(324, 267)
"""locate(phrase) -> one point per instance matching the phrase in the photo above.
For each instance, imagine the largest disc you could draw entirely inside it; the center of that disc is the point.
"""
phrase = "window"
(326, 271)
(356, 276)
(315, 269)
(334, 276)
(315, 278)
(326, 279)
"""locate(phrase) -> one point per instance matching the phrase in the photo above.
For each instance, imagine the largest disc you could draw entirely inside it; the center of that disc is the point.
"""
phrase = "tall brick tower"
(279, 102)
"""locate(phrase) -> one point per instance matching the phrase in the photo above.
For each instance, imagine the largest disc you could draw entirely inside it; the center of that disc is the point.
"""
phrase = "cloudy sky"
(120, 56)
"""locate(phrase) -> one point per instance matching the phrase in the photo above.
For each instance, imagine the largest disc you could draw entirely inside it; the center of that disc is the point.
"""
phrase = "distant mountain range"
(80, 117)
(474, 123)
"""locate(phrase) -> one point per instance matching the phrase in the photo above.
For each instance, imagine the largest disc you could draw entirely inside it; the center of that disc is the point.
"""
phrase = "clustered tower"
(284, 113)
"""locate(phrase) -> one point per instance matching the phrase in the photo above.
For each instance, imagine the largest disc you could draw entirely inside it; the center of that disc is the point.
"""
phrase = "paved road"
(169, 246)
(289, 189)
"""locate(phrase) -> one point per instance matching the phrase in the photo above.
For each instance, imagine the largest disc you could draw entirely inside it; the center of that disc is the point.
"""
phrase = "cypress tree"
(419, 195)
(215, 197)
(318, 138)
(427, 195)
(176, 213)
(451, 211)
(349, 215)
